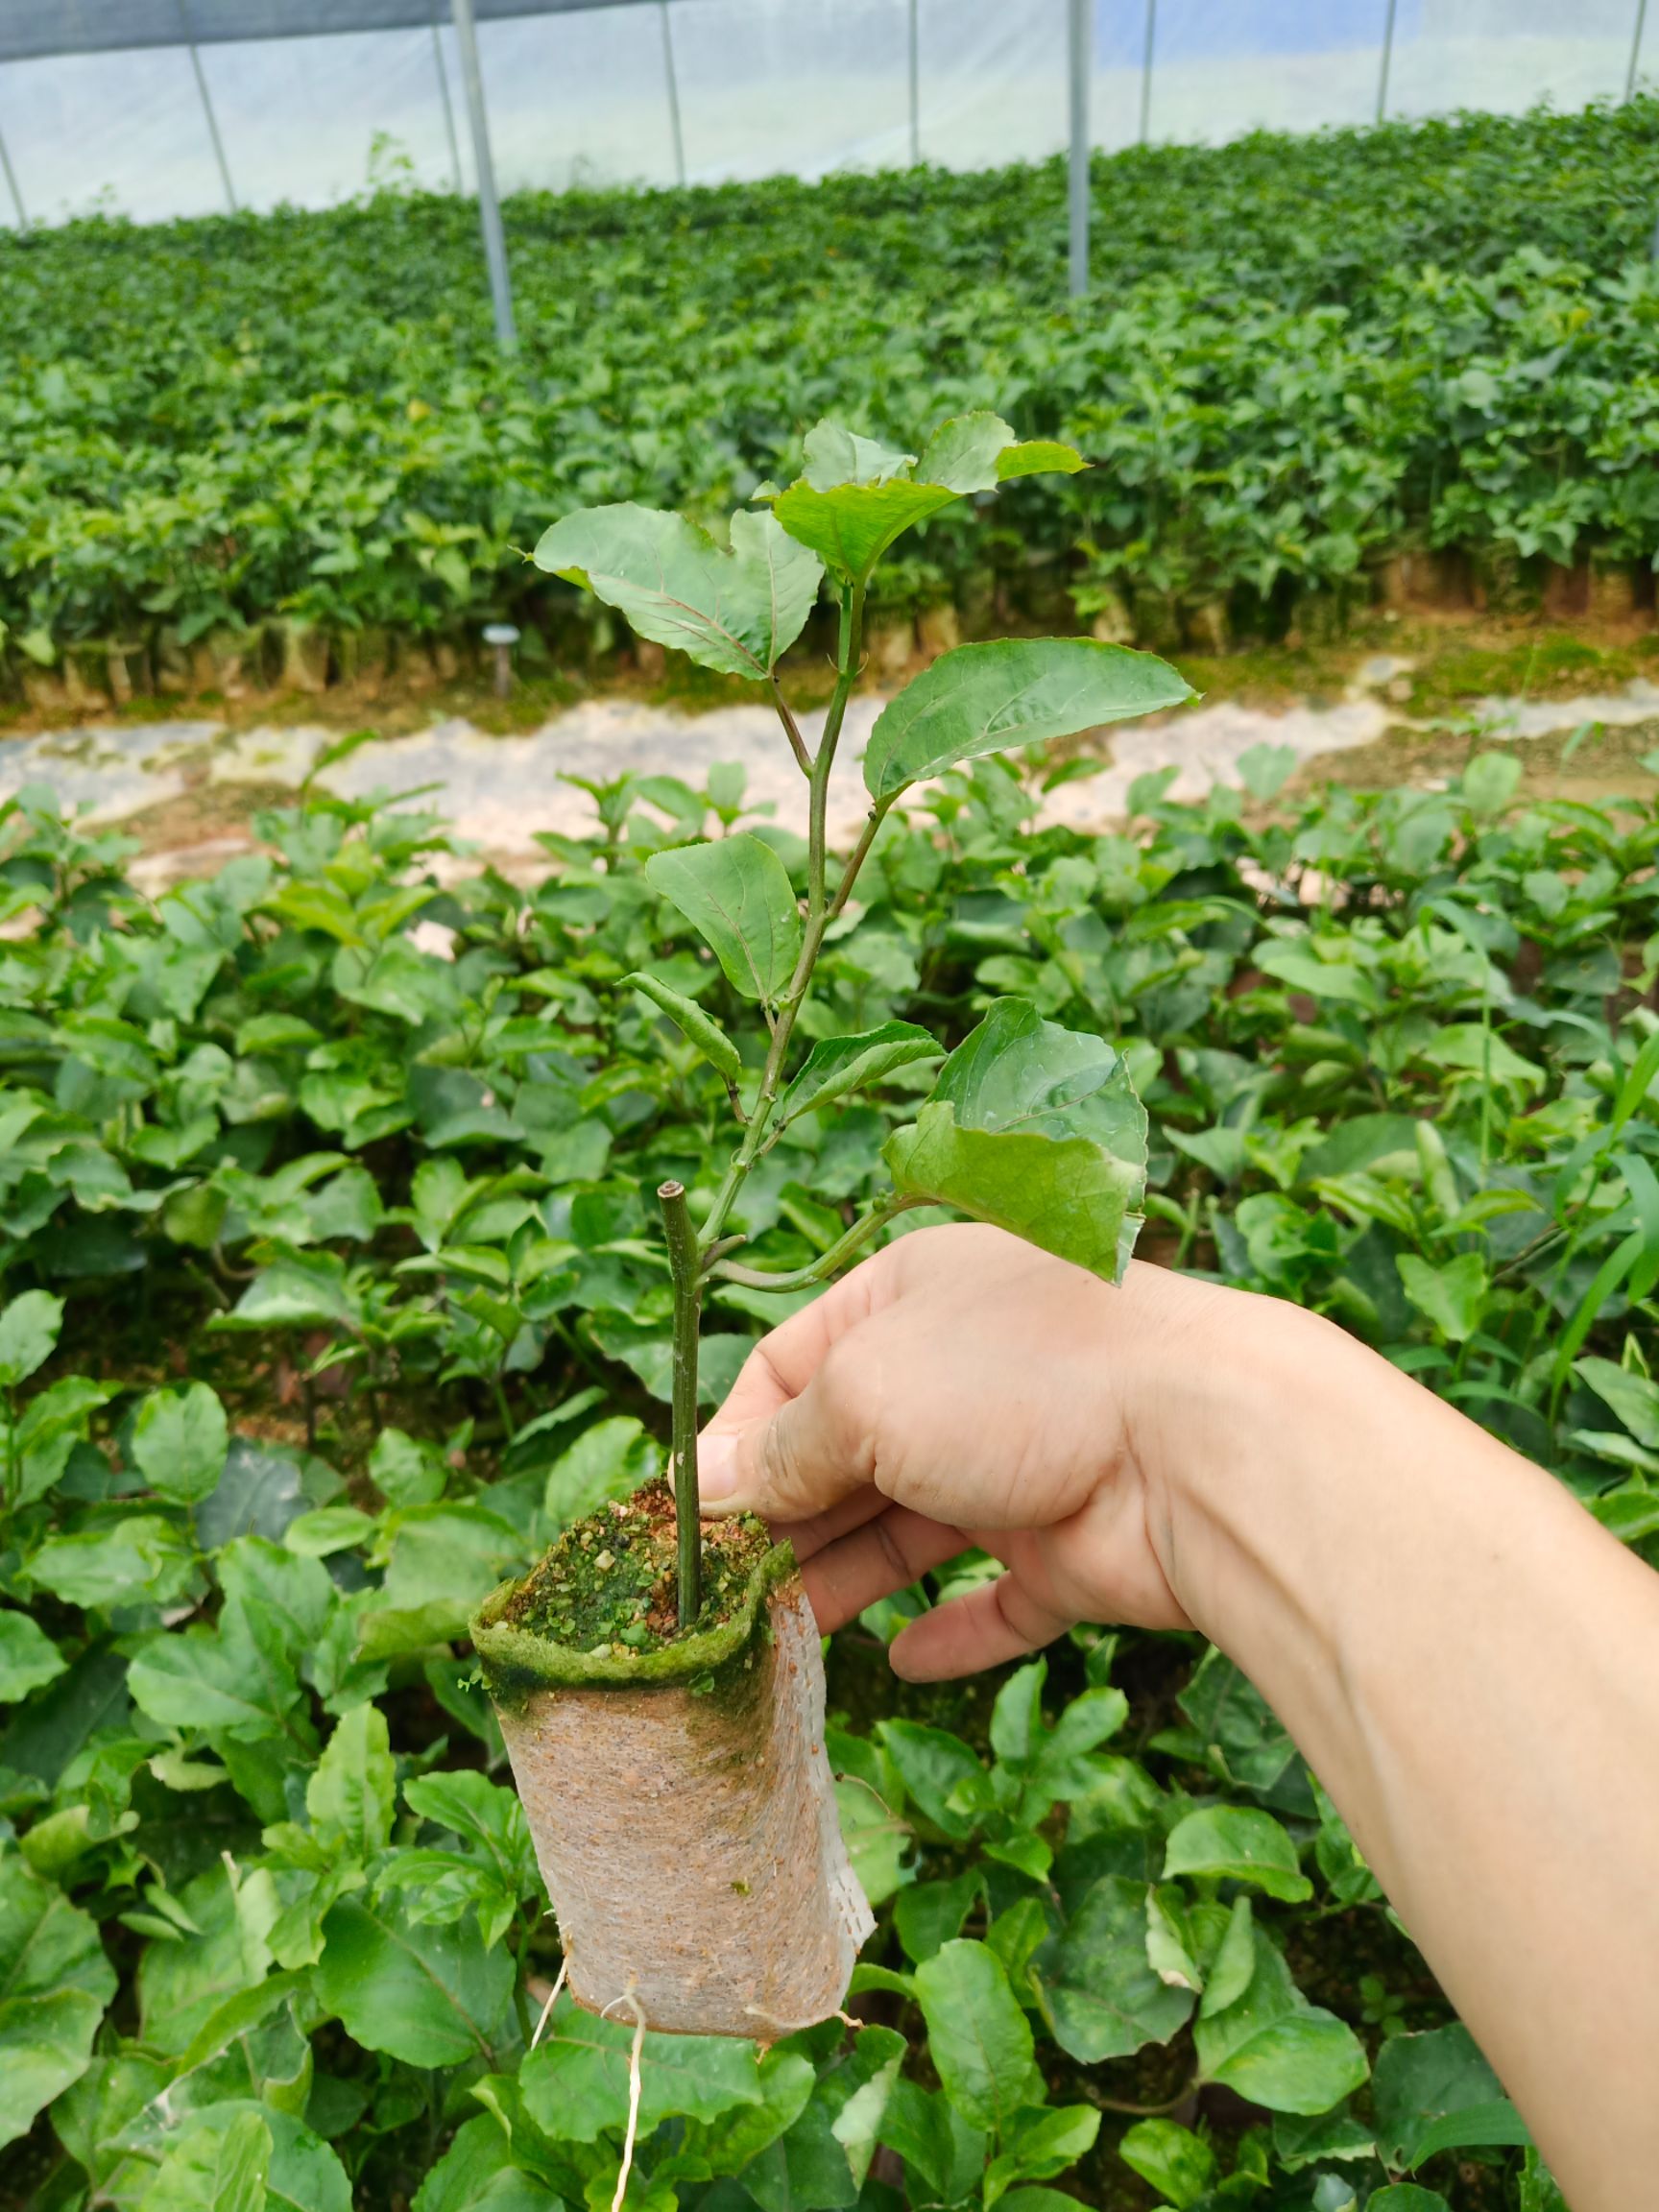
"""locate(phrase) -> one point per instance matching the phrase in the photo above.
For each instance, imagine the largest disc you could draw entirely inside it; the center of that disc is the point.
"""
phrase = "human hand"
(963, 1389)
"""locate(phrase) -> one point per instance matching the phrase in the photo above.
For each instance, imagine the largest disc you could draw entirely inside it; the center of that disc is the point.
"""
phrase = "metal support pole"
(12, 187)
(439, 63)
(1387, 63)
(915, 73)
(207, 106)
(672, 79)
(1078, 62)
(1146, 53)
(1635, 49)
(488, 206)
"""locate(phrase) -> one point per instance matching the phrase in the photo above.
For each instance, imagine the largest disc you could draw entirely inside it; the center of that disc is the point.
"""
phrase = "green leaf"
(294, 1293)
(214, 2169)
(1041, 2143)
(608, 1460)
(854, 2093)
(1452, 1297)
(1475, 2127)
(179, 1440)
(978, 2038)
(1301, 2140)
(855, 495)
(833, 455)
(498, 1867)
(54, 1983)
(1244, 1738)
(142, 1560)
(1037, 1129)
(979, 699)
(1489, 781)
(1540, 2190)
(1180, 2166)
(851, 526)
(305, 2175)
(926, 1915)
(575, 2081)
(1100, 1994)
(1038, 457)
(1040, 2200)
(964, 453)
(478, 2174)
(708, 1037)
(734, 611)
(28, 1328)
(1241, 1844)
(736, 893)
(978, 452)
(27, 1657)
(431, 1996)
(1631, 1397)
(837, 1066)
(1422, 2079)
(935, 2142)
(931, 1764)
(1169, 1945)
(405, 1471)
(1406, 2196)
(350, 1796)
(54, 1420)
(1235, 1961)
(875, 1836)
(1273, 2047)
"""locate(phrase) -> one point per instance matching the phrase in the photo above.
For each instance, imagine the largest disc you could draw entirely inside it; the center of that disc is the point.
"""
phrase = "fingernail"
(717, 1469)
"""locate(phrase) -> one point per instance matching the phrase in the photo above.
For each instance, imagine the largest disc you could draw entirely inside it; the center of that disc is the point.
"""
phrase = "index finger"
(788, 1357)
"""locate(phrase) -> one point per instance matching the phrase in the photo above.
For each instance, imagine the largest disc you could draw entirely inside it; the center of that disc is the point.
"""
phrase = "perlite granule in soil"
(676, 1784)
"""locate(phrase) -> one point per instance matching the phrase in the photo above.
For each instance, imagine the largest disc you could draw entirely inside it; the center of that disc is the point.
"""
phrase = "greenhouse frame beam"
(1636, 49)
(1148, 51)
(913, 69)
(489, 205)
(1386, 64)
(1079, 59)
(442, 69)
(671, 78)
(11, 185)
(206, 99)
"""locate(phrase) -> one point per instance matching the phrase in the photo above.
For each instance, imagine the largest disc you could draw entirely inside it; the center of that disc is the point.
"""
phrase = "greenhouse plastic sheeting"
(1508, 54)
(31, 28)
(582, 93)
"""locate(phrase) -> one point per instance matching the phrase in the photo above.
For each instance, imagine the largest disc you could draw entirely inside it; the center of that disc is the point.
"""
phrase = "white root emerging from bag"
(689, 1841)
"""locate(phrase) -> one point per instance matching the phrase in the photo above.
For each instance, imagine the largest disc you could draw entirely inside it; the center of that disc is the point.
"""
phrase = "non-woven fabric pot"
(683, 1813)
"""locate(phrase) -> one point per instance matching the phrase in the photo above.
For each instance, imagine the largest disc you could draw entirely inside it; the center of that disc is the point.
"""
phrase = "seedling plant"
(1029, 1126)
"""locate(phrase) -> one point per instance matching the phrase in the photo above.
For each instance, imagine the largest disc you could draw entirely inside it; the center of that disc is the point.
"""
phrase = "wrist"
(1237, 1411)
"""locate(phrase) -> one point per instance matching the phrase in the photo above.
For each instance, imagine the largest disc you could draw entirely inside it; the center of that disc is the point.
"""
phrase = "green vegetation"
(285, 445)
(1029, 1126)
(332, 1294)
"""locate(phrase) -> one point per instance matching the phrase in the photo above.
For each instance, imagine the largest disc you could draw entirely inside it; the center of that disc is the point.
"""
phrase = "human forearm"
(1470, 1664)
(1466, 1660)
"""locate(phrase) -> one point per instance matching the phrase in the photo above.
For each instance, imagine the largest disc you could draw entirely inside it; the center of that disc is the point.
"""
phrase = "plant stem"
(859, 855)
(501, 1406)
(684, 1267)
(827, 1263)
(818, 915)
(520, 1976)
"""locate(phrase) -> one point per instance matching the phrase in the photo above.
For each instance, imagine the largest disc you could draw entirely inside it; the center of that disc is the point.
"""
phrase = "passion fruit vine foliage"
(332, 1292)
(1029, 1126)
(270, 441)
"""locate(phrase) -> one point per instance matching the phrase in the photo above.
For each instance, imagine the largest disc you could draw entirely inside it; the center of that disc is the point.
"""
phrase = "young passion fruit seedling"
(660, 1689)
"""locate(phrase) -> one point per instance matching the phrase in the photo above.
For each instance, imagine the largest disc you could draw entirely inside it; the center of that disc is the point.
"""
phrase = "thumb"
(791, 1463)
